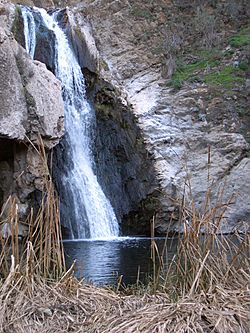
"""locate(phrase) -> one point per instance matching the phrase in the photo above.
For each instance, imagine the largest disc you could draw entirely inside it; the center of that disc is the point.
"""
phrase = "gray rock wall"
(31, 107)
(179, 128)
(124, 166)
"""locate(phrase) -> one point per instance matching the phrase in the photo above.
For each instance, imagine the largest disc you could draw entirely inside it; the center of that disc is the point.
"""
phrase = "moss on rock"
(17, 27)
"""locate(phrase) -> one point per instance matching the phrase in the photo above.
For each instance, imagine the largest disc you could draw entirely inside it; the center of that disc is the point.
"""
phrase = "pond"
(103, 262)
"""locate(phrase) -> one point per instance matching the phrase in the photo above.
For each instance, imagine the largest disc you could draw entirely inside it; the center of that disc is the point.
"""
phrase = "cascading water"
(94, 215)
(29, 31)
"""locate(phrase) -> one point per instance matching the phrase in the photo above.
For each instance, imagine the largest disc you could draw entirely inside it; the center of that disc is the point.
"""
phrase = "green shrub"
(226, 77)
(176, 83)
(191, 72)
(243, 65)
(242, 38)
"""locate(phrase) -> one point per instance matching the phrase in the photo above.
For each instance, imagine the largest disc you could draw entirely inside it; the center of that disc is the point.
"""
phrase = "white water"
(94, 213)
(29, 30)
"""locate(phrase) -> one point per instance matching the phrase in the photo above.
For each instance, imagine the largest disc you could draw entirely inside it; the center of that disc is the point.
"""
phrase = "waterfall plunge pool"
(102, 262)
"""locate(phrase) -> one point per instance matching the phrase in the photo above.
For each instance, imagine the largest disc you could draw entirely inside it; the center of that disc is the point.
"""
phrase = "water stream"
(29, 31)
(93, 214)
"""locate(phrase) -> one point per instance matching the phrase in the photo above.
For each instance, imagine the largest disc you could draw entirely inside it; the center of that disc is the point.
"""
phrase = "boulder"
(31, 108)
(14, 111)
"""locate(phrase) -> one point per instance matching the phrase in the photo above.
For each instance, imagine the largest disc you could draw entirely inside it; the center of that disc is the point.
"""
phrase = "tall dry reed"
(205, 259)
(40, 251)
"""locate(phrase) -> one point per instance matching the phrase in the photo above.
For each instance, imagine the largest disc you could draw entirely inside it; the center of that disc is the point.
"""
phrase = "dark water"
(103, 262)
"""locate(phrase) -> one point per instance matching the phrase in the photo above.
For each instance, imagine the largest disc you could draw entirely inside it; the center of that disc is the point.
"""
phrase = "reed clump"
(205, 288)
(206, 259)
(39, 250)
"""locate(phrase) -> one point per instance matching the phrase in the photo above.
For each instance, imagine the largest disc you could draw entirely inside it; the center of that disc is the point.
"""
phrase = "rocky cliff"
(31, 108)
(192, 124)
(190, 102)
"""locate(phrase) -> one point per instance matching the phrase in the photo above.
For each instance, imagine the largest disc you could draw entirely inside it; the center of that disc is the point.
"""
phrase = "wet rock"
(45, 51)
(79, 31)
(124, 166)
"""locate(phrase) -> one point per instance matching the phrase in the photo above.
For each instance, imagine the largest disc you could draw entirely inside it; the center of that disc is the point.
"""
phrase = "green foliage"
(104, 65)
(159, 49)
(242, 38)
(21, 68)
(176, 83)
(191, 72)
(243, 65)
(105, 108)
(243, 112)
(228, 54)
(18, 11)
(209, 67)
(17, 26)
(226, 77)
(247, 139)
(208, 54)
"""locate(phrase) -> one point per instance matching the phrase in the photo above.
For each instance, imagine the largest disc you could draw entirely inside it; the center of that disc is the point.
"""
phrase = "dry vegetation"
(206, 288)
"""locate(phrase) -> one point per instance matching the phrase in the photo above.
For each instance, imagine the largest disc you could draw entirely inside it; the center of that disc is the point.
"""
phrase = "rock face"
(82, 40)
(13, 101)
(25, 111)
(193, 138)
(124, 167)
(31, 107)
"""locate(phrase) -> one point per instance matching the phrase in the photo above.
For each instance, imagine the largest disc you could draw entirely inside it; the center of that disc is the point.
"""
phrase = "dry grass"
(31, 305)
(206, 288)
(40, 251)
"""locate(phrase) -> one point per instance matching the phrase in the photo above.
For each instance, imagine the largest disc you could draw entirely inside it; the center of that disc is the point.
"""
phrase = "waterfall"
(93, 214)
(29, 30)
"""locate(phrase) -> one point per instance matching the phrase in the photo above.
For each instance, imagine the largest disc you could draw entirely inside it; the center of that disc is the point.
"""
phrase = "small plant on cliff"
(242, 38)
